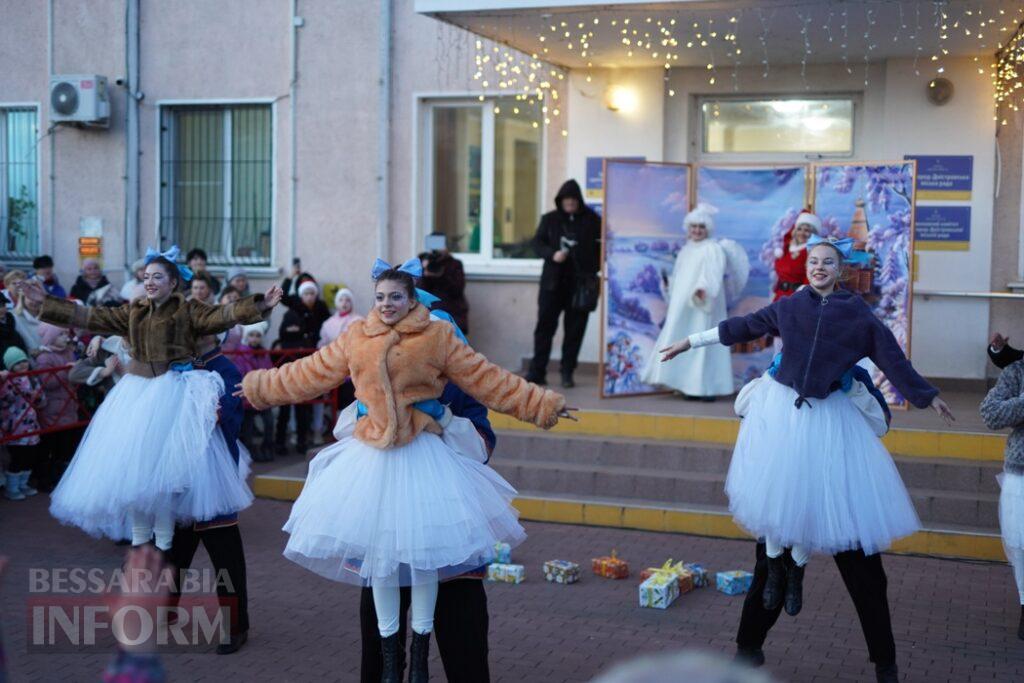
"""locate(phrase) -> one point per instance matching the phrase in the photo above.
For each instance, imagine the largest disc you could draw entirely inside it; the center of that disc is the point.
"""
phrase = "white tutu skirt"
(152, 445)
(1011, 510)
(816, 476)
(369, 516)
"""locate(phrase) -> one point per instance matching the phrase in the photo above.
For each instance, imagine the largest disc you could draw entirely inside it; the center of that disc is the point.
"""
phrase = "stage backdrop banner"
(757, 206)
(873, 202)
(644, 207)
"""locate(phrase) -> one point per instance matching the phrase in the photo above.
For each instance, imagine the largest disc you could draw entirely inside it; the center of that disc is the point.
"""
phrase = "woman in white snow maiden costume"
(153, 455)
(395, 506)
(808, 472)
(697, 301)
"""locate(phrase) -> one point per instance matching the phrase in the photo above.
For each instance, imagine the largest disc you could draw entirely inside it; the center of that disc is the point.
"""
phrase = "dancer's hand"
(940, 407)
(566, 413)
(675, 349)
(239, 392)
(998, 341)
(32, 291)
(271, 298)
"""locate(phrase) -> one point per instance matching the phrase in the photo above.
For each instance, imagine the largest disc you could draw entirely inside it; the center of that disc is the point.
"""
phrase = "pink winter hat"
(48, 333)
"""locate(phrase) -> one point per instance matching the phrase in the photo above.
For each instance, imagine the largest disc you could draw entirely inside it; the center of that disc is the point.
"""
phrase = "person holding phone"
(444, 277)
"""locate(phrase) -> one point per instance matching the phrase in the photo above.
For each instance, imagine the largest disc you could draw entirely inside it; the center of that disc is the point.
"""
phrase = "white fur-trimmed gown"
(152, 445)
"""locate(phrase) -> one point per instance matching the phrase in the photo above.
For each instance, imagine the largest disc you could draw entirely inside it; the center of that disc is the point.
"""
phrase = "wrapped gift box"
(561, 571)
(734, 582)
(506, 573)
(610, 567)
(686, 578)
(660, 590)
(700, 575)
(502, 553)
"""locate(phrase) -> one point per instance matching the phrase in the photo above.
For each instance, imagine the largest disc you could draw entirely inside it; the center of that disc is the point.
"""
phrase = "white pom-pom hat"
(702, 214)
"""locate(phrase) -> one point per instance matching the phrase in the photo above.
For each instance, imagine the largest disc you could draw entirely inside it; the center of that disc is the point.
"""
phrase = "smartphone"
(436, 241)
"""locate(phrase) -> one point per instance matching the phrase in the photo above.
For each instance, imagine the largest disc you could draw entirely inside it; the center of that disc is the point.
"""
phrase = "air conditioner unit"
(79, 98)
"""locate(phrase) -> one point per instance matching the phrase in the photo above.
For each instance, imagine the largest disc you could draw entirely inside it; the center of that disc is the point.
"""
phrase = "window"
(777, 126)
(19, 183)
(216, 181)
(483, 176)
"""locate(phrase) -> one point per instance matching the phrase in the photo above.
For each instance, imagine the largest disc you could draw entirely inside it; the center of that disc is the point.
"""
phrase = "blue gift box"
(700, 575)
(502, 553)
(734, 582)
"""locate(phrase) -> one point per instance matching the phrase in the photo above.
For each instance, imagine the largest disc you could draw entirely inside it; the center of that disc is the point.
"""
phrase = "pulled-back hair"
(396, 275)
(170, 268)
(834, 248)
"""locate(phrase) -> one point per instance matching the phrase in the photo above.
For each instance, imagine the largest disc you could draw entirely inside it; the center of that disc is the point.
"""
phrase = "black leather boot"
(1020, 626)
(775, 583)
(418, 655)
(390, 648)
(794, 589)
(749, 656)
(567, 381)
(887, 673)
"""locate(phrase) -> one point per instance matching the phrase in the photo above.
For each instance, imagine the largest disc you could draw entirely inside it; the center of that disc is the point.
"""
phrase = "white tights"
(386, 600)
(160, 525)
(1016, 557)
(800, 554)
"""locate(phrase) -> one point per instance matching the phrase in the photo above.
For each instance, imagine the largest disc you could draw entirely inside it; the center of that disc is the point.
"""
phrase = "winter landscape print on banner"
(644, 208)
(757, 206)
(874, 204)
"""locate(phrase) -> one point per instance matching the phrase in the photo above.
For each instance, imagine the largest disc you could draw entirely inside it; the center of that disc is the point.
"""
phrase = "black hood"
(570, 188)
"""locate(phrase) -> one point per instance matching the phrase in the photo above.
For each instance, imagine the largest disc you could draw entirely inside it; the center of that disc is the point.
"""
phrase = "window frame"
(483, 265)
(269, 270)
(697, 126)
(15, 259)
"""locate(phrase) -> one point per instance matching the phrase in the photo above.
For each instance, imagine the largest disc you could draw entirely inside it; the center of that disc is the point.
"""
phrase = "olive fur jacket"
(168, 333)
(393, 367)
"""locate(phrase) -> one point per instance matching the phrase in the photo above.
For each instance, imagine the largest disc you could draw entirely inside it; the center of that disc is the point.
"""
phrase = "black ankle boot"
(1020, 626)
(775, 583)
(794, 589)
(418, 655)
(887, 673)
(390, 648)
(567, 381)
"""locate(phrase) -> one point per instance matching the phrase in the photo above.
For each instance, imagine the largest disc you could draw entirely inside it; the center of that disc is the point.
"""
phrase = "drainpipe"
(132, 187)
(293, 83)
(384, 133)
(51, 238)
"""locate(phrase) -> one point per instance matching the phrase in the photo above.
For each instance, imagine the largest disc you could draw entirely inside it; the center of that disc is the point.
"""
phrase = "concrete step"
(665, 457)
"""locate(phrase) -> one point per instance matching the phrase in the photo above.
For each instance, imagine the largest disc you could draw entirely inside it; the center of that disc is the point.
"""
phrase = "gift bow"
(171, 255)
(411, 267)
(843, 246)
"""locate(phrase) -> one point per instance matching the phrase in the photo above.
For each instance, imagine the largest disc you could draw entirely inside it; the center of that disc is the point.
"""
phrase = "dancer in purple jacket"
(807, 472)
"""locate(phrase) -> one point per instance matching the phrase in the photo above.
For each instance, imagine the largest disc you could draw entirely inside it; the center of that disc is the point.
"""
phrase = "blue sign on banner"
(944, 177)
(942, 228)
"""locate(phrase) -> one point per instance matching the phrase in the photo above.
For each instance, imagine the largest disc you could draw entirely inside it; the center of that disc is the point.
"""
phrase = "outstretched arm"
(65, 313)
(216, 319)
(300, 380)
(497, 388)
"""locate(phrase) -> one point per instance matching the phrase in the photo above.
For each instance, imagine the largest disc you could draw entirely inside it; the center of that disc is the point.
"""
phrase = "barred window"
(216, 181)
(19, 183)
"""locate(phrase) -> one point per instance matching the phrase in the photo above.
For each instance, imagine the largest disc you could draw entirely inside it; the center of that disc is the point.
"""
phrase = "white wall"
(894, 119)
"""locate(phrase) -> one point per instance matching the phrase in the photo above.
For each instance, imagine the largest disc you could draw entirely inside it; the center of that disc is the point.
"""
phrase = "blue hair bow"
(411, 267)
(843, 246)
(171, 255)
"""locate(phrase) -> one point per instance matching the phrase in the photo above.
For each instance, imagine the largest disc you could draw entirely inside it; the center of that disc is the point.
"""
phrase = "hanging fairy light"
(1008, 73)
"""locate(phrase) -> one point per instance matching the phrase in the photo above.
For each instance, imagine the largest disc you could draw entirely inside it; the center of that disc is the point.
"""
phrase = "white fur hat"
(702, 214)
(343, 292)
(809, 219)
(308, 286)
(260, 327)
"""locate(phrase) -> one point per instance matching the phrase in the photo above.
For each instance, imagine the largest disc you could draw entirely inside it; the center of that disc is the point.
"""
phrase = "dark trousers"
(224, 545)
(56, 451)
(22, 457)
(303, 417)
(551, 304)
(248, 431)
(460, 628)
(865, 581)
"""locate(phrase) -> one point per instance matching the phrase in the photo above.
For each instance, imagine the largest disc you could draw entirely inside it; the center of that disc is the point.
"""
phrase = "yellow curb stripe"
(904, 442)
(719, 525)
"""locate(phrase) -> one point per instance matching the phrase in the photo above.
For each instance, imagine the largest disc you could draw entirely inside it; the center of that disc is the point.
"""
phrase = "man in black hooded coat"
(569, 241)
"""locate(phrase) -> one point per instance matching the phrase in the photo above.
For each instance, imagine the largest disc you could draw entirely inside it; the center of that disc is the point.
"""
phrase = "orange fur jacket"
(393, 367)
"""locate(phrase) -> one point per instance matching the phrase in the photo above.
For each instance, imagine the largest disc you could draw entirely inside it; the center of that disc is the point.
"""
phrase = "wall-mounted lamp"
(620, 98)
